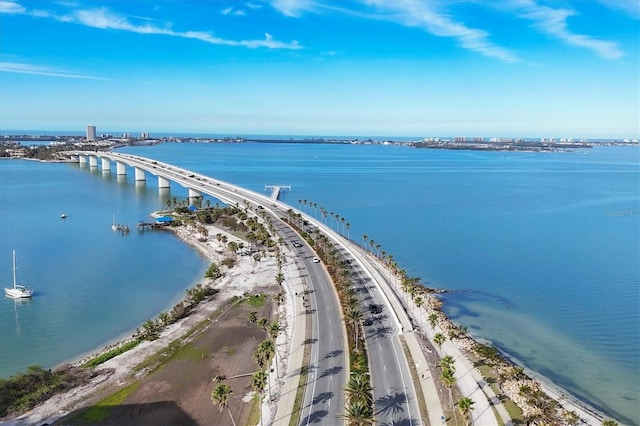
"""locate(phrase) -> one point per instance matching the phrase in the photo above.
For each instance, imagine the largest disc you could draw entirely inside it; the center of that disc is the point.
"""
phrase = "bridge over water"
(195, 183)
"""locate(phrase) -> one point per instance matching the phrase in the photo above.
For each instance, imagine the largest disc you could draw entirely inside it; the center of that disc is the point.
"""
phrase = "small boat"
(63, 216)
(117, 227)
(17, 291)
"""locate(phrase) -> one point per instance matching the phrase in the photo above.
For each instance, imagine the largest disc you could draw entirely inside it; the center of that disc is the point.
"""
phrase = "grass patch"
(100, 411)
(304, 374)
(112, 353)
(190, 352)
(254, 413)
(416, 380)
(257, 300)
(514, 412)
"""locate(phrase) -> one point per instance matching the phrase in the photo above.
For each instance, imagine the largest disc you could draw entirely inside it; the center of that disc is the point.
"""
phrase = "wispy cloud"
(631, 7)
(425, 15)
(11, 7)
(234, 12)
(22, 68)
(554, 22)
(294, 8)
(104, 18)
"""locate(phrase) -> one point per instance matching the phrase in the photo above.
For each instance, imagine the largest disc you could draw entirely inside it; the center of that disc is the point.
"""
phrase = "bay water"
(541, 249)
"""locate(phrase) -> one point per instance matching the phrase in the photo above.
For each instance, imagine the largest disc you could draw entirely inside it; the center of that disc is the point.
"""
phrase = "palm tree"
(447, 363)
(358, 414)
(262, 356)
(274, 331)
(465, 405)
(418, 301)
(359, 388)
(259, 382)
(365, 238)
(433, 319)
(253, 317)
(609, 422)
(263, 323)
(449, 380)
(439, 339)
(354, 316)
(220, 395)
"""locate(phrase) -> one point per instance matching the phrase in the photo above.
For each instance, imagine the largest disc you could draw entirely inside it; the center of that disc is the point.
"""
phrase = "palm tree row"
(321, 214)
(359, 400)
(358, 410)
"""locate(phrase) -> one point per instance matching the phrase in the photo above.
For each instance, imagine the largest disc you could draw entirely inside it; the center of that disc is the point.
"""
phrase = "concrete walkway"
(294, 283)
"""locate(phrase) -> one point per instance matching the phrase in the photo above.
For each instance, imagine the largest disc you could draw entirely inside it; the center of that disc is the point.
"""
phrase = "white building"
(91, 132)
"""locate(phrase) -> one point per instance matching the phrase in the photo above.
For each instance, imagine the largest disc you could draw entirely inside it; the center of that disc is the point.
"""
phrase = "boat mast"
(14, 268)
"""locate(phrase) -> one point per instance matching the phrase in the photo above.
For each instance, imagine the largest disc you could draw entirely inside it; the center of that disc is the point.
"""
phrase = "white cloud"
(424, 15)
(22, 68)
(11, 7)
(105, 19)
(226, 11)
(554, 22)
(294, 8)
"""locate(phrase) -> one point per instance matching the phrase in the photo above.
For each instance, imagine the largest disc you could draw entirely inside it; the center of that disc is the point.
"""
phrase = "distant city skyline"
(473, 68)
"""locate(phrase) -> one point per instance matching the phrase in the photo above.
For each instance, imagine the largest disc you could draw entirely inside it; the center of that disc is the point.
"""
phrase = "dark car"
(375, 309)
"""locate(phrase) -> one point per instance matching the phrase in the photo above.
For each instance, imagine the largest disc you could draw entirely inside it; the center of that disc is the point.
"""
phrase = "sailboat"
(17, 291)
(117, 227)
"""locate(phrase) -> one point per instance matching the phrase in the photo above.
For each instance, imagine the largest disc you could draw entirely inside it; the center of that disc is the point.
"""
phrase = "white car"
(316, 260)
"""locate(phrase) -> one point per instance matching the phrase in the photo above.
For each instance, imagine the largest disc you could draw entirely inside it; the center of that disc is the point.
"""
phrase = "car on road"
(316, 260)
(375, 309)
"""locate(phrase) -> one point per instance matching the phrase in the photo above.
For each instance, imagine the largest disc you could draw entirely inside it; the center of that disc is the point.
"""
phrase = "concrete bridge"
(195, 183)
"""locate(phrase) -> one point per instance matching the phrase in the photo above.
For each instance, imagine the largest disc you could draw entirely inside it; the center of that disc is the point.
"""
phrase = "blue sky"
(530, 68)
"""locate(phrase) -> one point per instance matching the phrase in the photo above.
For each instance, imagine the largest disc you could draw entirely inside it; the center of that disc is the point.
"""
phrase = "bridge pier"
(106, 165)
(193, 193)
(139, 174)
(82, 159)
(163, 182)
(121, 168)
(93, 161)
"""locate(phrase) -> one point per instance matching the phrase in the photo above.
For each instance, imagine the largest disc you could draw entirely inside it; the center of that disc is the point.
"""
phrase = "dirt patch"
(179, 392)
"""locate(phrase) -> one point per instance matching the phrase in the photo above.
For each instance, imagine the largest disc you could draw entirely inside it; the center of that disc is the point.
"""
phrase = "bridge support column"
(121, 168)
(139, 174)
(193, 193)
(82, 159)
(93, 161)
(106, 165)
(163, 182)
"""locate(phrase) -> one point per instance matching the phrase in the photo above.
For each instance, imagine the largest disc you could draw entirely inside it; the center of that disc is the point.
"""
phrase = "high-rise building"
(91, 132)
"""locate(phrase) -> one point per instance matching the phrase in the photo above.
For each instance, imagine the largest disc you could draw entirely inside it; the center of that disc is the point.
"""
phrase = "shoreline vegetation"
(241, 239)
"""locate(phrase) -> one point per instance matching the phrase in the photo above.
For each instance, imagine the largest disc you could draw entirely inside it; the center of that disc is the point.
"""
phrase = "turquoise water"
(543, 247)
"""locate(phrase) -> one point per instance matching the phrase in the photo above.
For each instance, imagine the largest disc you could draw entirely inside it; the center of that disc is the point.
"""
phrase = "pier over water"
(275, 190)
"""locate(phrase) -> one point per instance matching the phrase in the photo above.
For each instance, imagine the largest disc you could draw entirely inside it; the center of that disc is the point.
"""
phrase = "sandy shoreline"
(243, 277)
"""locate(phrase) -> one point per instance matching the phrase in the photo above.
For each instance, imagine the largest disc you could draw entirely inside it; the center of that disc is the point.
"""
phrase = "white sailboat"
(17, 291)
(117, 227)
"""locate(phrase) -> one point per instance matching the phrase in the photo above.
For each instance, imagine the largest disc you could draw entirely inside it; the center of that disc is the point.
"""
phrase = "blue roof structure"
(164, 219)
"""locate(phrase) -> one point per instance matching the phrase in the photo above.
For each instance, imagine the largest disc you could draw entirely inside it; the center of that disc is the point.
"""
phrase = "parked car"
(316, 260)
